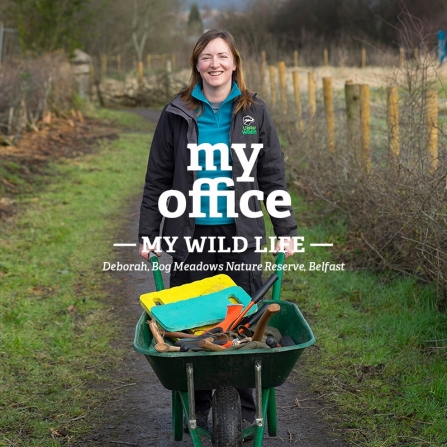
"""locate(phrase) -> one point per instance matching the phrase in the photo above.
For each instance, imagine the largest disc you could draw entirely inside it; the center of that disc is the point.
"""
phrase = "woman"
(218, 109)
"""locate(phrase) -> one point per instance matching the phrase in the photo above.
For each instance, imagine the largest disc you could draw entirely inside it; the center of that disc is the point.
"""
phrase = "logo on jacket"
(248, 128)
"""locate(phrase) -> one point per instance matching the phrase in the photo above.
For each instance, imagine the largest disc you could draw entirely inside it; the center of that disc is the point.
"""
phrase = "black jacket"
(167, 169)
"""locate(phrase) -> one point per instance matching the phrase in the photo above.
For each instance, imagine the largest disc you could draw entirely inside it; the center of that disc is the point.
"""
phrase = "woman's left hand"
(286, 245)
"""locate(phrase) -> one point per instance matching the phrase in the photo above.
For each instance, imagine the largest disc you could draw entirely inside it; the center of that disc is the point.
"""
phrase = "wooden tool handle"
(205, 344)
(164, 347)
(262, 324)
(179, 335)
(154, 329)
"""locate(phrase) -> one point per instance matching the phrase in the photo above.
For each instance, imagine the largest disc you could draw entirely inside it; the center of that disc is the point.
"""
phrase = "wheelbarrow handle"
(276, 291)
(264, 288)
(153, 258)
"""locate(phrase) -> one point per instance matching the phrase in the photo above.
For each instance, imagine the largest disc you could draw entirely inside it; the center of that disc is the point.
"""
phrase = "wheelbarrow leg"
(258, 383)
(193, 432)
(262, 397)
(188, 404)
(271, 413)
(192, 423)
(177, 416)
(259, 430)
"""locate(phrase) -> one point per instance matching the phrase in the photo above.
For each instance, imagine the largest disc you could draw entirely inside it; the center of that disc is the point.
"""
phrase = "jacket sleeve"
(159, 177)
(271, 172)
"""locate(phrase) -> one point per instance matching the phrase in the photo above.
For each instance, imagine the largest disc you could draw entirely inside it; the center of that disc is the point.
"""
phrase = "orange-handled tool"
(233, 310)
(258, 297)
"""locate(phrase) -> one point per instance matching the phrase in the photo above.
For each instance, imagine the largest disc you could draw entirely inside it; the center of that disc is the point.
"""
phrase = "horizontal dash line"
(321, 245)
(124, 245)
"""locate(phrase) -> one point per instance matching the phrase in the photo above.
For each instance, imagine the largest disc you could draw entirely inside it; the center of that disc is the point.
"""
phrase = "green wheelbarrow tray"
(262, 369)
(233, 368)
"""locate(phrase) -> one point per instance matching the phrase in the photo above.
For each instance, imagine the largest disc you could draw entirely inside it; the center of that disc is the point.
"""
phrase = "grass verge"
(54, 336)
(381, 345)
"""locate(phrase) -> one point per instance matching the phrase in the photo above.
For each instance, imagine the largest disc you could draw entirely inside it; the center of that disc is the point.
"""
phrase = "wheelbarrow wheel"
(227, 420)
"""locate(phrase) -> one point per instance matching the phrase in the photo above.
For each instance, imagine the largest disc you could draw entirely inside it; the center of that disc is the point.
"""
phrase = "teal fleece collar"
(198, 93)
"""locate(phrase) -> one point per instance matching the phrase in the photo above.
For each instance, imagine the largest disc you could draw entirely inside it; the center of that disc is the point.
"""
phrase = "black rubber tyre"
(227, 420)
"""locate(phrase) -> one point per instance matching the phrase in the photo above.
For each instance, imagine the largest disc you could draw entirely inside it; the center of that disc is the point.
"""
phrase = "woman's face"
(216, 65)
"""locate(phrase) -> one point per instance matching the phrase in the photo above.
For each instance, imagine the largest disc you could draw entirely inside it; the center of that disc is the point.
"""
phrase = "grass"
(381, 344)
(55, 330)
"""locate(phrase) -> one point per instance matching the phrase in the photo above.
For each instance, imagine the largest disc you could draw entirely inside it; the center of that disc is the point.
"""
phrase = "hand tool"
(233, 310)
(205, 344)
(252, 319)
(164, 347)
(262, 324)
(258, 297)
(178, 335)
(154, 329)
(216, 335)
(191, 343)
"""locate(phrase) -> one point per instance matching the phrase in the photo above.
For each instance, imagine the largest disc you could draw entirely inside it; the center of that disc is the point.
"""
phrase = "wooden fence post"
(295, 58)
(393, 124)
(329, 112)
(282, 85)
(263, 57)
(140, 75)
(263, 83)
(401, 57)
(296, 91)
(352, 114)
(363, 57)
(432, 130)
(326, 57)
(119, 68)
(263, 74)
(312, 101)
(272, 85)
(173, 61)
(91, 80)
(163, 61)
(365, 128)
(103, 65)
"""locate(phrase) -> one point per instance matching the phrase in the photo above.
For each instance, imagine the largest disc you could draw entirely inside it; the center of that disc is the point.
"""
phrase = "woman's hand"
(286, 245)
(145, 255)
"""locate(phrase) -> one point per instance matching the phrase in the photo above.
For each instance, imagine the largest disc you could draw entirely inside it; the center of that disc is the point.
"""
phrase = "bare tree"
(133, 26)
(140, 27)
(146, 15)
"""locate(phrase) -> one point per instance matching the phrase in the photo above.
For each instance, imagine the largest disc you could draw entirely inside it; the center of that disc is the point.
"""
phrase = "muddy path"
(139, 410)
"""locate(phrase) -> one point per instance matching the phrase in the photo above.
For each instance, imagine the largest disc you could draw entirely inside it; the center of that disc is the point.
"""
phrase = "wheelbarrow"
(224, 371)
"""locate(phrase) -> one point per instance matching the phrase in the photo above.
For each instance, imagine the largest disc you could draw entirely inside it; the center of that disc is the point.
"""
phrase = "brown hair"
(246, 99)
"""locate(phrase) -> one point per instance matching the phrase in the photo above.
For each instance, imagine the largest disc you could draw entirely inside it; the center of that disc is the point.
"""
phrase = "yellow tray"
(187, 291)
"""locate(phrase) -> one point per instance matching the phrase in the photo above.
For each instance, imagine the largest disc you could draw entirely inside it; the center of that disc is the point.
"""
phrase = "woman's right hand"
(145, 254)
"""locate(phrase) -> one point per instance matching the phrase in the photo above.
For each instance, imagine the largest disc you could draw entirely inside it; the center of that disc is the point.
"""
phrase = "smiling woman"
(215, 193)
